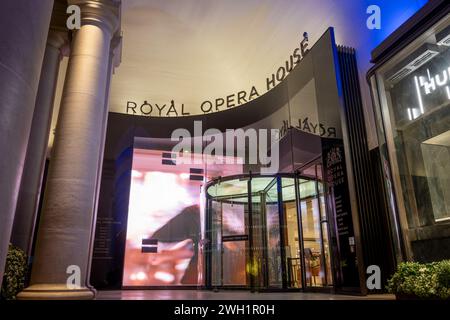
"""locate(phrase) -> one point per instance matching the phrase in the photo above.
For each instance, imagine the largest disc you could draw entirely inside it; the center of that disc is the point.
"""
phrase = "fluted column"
(64, 234)
(23, 32)
(30, 187)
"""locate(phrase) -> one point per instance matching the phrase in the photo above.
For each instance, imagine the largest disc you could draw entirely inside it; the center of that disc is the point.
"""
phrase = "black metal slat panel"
(196, 171)
(354, 108)
(169, 155)
(240, 237)
(195, 177)
(168, 162)
(373, 231)
(358, 139)
(150, 241)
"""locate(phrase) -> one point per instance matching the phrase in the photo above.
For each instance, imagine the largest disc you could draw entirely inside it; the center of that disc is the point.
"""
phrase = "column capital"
(58, 39)
(58, 35)
(116, 50)
(102, 13)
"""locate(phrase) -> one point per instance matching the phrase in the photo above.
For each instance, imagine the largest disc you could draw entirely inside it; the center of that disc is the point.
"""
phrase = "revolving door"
(266, 232)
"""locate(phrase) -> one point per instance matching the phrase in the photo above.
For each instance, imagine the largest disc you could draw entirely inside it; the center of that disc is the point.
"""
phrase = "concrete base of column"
(56, 292)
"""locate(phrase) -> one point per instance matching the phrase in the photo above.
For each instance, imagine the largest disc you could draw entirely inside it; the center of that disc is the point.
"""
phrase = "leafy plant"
(422, 280)
(443, 279)
(15, 273)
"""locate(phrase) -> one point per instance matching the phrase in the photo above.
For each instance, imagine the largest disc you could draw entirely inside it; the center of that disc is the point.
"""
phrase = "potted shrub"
(15, 273)
(414, 280)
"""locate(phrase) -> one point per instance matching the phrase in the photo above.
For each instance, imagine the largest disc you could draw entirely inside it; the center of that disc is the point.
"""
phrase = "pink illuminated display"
(165, 220)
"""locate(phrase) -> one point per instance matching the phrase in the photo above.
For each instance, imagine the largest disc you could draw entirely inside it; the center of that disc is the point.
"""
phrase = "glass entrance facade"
(290, 227)
(267, 232)
(411, 93)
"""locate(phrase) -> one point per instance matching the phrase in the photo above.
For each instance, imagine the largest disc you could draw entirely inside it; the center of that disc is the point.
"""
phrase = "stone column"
(61, 263)
(30, 187)
(114, 61)
(23, 32)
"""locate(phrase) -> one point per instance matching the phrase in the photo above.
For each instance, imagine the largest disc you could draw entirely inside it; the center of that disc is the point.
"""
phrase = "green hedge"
(422, 280)
(15, 273)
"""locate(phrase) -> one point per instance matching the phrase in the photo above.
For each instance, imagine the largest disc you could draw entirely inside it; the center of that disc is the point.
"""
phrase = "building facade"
(411, 103)
(299, 182)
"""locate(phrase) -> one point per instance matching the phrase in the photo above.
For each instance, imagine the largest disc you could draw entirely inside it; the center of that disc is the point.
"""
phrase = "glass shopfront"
(267, 232)
(412, 101)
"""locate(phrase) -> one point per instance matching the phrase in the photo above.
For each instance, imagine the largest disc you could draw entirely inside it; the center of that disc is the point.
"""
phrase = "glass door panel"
(216, 243)
(229, 243)
(234, 260)
(293, 253)
(233, 218)
(274, 268)
(234, 243)
(327, 257)
(257, 225)
(312, 242)
(317, 251)
(328, 278)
